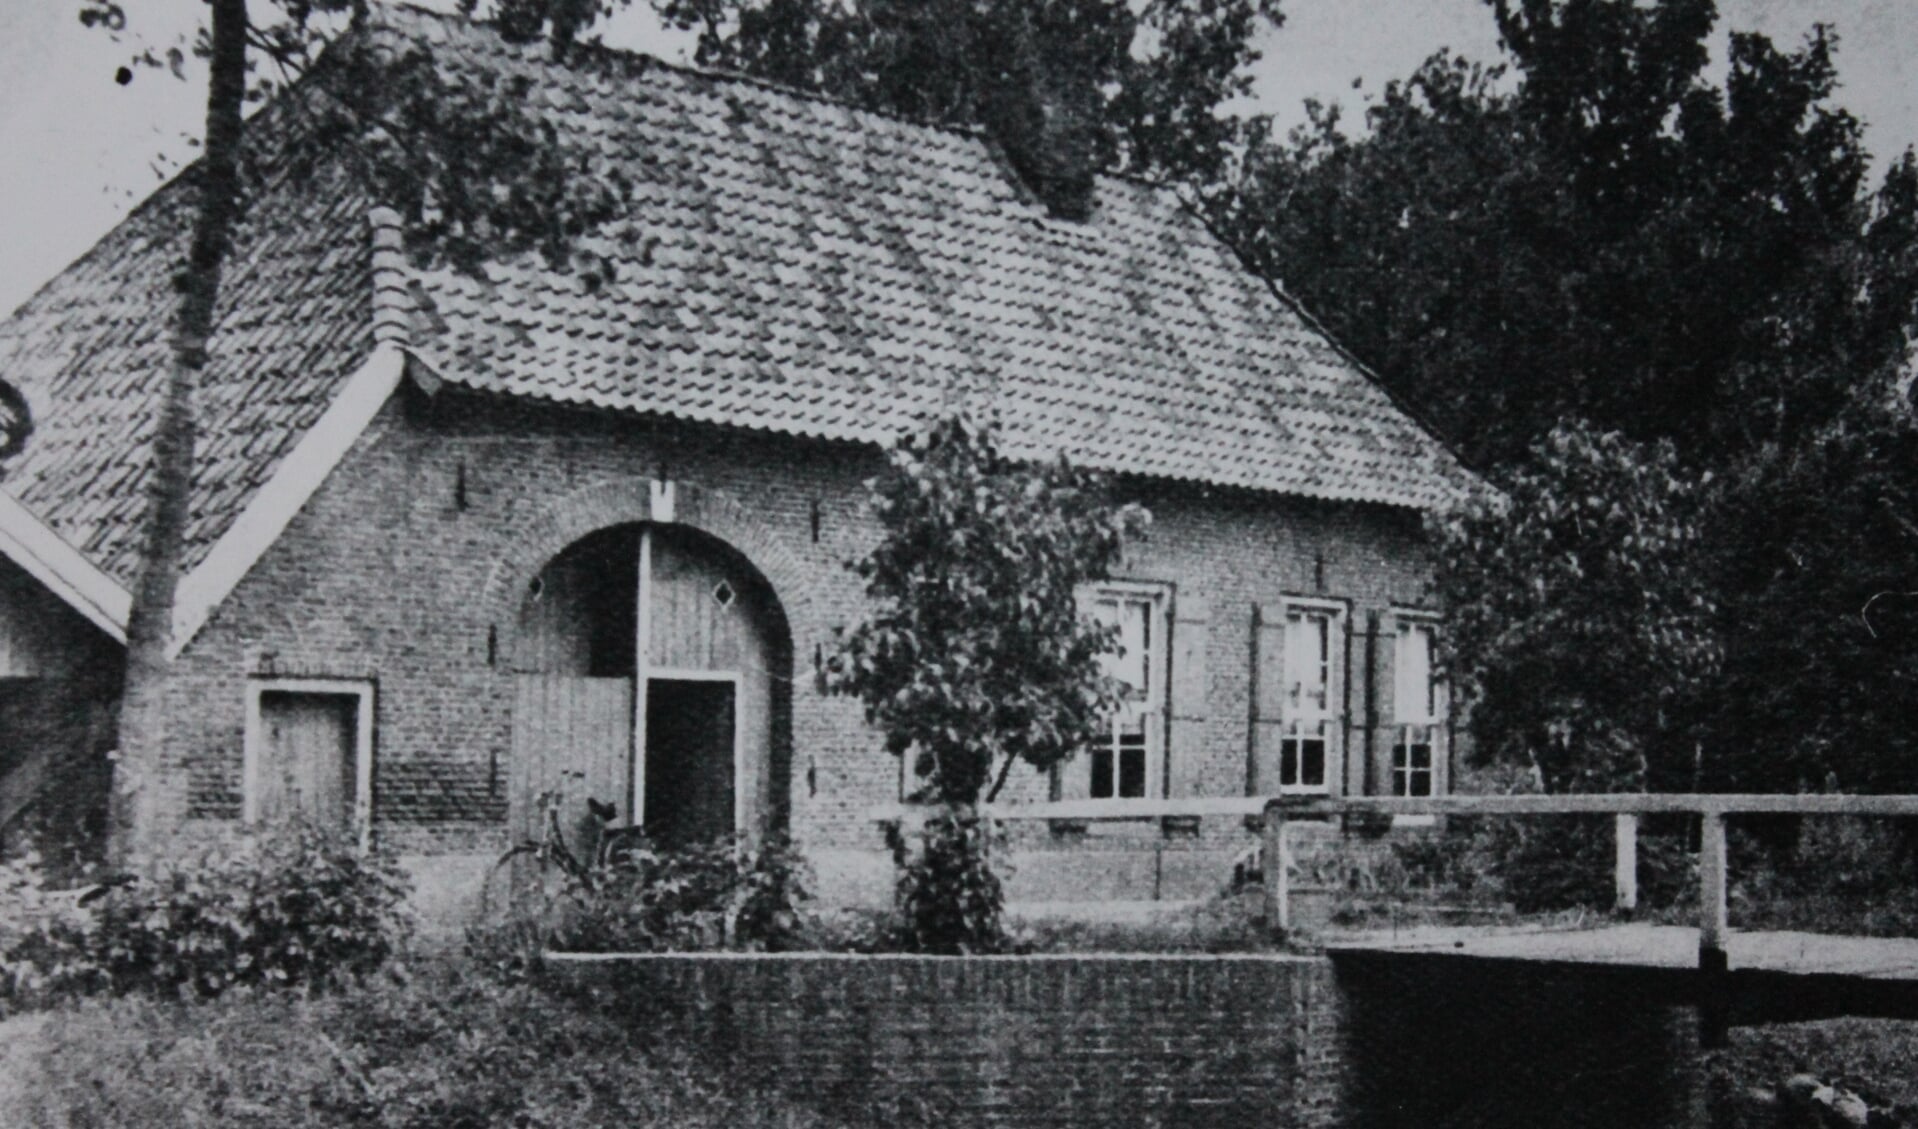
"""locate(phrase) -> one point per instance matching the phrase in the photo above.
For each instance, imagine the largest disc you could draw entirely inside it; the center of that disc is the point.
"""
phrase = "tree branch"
(1005, 770)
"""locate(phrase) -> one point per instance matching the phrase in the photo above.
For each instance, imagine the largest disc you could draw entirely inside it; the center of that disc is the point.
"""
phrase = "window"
(1418, 705)
(1126, 764)
(1312, 709)
(308, 752)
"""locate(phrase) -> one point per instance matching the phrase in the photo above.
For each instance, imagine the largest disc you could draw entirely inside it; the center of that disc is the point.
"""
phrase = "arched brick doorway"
(653, 666)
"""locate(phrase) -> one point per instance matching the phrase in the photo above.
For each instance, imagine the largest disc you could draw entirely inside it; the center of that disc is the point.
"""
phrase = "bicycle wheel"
(508, 886)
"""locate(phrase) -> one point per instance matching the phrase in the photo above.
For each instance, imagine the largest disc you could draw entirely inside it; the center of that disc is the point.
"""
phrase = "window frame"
(1156, 704)
(364, 691)
(1337, 613)
(1435, 719)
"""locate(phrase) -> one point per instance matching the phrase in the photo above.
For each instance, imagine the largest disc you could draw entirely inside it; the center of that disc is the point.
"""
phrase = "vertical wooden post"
(1711, 888)
(1625, 862)
(1273, 868)
(1712, 962)
(642, 661)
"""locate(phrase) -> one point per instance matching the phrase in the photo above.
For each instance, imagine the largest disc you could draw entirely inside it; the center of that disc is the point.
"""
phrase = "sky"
(80, 150)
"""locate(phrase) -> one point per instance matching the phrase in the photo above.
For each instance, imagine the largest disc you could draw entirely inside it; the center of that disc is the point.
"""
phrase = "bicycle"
(612, 845)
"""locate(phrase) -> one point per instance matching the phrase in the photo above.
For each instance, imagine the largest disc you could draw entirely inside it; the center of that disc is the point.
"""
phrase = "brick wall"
(1381, 1040)
(408, 568)
(1095, 1040)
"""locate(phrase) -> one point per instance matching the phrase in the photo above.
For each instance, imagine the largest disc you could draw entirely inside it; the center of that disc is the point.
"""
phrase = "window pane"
(1308, 665)
(1312, 763)
(1102, 773)
(1288, 762)
(1126, 765)
(1415, 691)
(1132, 766)
(1130, 666)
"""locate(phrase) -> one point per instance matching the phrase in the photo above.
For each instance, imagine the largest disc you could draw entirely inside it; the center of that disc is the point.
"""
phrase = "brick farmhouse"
(458, 541)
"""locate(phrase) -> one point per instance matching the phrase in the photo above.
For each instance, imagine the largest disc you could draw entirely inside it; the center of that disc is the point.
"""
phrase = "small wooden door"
(690, 747)
(573, 736)
(308, 765)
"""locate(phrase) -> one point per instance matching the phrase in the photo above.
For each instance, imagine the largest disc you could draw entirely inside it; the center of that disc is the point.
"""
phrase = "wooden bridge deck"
(1771, 976)
(1657, 946)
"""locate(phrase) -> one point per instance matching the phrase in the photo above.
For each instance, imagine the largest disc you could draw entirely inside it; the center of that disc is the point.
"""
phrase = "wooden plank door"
(308, 767)
(574, 736)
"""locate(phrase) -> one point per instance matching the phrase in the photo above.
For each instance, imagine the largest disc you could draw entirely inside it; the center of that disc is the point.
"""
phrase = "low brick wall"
(1066, 1040)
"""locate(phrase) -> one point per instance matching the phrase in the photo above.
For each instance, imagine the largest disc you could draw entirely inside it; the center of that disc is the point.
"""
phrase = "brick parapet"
(1068, 1040)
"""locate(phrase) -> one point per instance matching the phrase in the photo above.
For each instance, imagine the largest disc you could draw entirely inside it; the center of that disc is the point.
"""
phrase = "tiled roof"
(792, 265)
(804, 267)
(90, 351)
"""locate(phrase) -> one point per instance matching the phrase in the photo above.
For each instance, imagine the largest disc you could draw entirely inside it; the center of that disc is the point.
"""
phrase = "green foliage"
(949, 900)
(1848, 875)
(727, 895)
(1581, 618)
(1814, 549)
(1148, 85)
(298, 907)
(1609, 236)
(975, 656)
(474, 172)
(44, 952)
(429, 1047)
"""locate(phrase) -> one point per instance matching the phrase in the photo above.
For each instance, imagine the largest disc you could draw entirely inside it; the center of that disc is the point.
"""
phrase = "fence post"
(1711, 889)
(1712, 929)
(1273, 867)
(1625, 864)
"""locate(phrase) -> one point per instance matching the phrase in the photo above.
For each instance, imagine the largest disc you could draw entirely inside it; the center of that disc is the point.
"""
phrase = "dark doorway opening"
(689, 760)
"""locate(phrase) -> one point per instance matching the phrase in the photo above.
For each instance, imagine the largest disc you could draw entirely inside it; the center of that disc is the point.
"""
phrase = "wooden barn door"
(308, 767)
(572, 735)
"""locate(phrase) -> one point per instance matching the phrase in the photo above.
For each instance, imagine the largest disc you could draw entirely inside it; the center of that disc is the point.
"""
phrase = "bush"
(433, 1047)
(298, 906)
(1547, 863)
(1843, 875)
(726, 895)
(43, 938)
(949, 900)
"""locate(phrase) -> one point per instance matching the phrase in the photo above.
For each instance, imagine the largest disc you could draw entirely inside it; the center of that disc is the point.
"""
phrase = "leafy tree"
(1703, 272)
(1814, 551)
(975, 656)
(1140, 88)
(473, 172)
(1600, 232)
(1582, 630)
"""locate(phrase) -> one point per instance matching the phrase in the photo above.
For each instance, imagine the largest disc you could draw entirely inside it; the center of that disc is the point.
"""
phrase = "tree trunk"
(138, 785)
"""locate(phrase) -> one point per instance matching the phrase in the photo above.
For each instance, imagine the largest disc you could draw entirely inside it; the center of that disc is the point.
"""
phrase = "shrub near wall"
(435, 1048)
(299, 906)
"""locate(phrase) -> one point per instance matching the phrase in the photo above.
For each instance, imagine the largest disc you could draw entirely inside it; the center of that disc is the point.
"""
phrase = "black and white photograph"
(852, 564)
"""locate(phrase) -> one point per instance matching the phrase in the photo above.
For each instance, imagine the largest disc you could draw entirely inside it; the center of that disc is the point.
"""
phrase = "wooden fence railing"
(1712, 809)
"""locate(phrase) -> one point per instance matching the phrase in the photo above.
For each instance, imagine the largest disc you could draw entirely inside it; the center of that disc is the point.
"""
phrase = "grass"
(442, 1046)
(1870, 1057)
(1224, 924)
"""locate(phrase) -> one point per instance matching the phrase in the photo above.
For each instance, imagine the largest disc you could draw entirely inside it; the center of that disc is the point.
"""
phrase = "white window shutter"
(1185, 744)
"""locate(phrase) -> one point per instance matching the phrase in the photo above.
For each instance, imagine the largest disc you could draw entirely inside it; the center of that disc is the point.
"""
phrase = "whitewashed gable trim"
(295, 482)
(44, 555)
